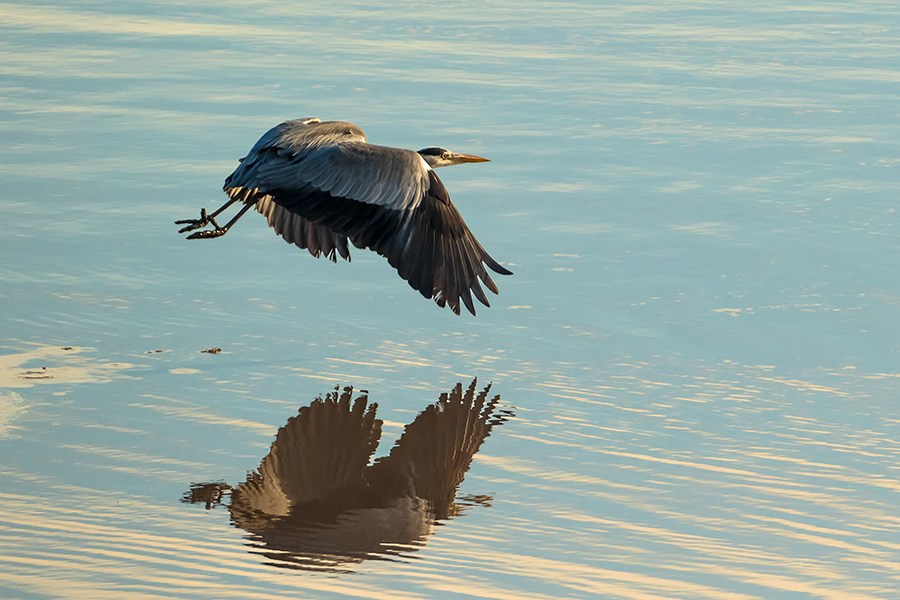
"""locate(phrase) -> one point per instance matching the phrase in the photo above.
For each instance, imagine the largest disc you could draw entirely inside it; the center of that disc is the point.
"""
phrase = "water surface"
(699, 342)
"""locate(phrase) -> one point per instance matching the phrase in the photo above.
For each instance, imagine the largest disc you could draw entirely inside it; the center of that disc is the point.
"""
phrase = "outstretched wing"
(320, 184)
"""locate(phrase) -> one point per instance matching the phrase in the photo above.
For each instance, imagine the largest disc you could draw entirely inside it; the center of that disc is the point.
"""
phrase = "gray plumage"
(321, 184)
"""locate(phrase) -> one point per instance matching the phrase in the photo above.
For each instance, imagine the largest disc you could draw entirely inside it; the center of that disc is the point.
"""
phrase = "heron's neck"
(433, 161)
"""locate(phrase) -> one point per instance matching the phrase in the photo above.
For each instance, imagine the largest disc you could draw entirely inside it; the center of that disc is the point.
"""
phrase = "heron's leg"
(218, 231)
(204, 219)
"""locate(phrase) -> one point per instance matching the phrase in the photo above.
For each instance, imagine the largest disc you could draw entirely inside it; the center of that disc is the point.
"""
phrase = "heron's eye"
(446, 155)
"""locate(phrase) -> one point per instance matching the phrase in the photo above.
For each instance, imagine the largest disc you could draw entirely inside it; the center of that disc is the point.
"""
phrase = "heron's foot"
(203, 221)
(208, 233)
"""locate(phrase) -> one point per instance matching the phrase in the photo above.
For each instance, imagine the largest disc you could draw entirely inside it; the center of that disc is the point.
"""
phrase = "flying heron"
(320, 184)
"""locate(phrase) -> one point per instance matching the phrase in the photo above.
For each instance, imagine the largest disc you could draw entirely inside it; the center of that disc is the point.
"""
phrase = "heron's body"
(320, 185)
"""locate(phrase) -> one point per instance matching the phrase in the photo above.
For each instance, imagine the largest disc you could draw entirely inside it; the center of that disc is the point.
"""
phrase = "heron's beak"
(467, 158)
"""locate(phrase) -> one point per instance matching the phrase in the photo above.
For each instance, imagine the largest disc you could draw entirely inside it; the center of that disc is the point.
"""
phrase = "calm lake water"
(695, 365)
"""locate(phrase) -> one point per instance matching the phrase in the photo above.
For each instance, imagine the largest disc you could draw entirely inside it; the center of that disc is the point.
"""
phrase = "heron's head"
(440, 157)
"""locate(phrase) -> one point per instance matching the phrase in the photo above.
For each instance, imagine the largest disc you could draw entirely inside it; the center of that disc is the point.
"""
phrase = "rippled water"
(696, 358)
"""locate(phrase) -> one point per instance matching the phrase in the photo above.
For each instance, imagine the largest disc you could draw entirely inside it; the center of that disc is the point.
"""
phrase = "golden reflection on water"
(597, 498)
(801, 478)
(68, 365)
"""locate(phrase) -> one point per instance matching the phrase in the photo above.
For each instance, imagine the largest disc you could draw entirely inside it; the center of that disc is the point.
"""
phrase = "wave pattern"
(681, 181)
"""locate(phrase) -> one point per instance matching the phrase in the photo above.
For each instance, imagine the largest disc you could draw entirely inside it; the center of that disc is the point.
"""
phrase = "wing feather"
(358, 171)
(295, 229)
(451, 291)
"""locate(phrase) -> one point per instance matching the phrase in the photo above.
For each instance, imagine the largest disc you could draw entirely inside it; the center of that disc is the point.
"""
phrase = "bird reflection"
(315, 502)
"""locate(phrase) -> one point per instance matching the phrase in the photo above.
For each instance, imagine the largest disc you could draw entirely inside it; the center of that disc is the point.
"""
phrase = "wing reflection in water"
(315, 502)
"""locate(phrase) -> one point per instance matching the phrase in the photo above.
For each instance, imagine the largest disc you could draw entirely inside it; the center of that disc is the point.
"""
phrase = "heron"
(320, 185)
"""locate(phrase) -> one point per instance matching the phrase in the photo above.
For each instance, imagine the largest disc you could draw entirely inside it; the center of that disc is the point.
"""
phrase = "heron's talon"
(209, 233)
(203, 221)
(194, 224)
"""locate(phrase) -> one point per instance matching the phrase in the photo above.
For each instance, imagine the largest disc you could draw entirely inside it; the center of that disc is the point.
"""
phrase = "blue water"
(699, 342)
